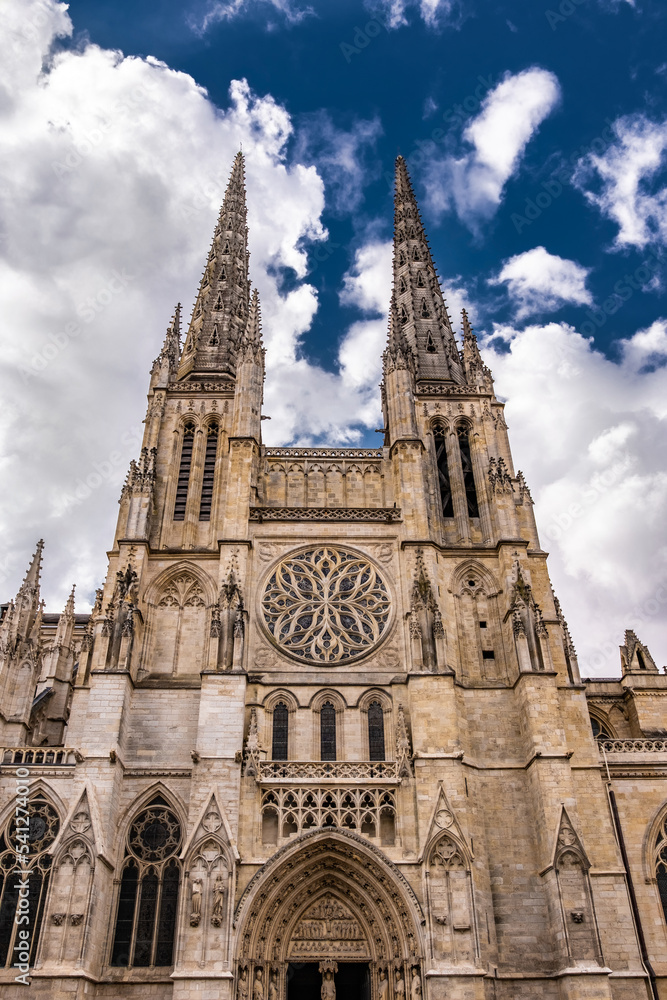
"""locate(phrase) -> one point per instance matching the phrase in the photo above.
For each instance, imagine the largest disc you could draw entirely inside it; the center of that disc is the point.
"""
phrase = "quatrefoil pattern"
(326, 605)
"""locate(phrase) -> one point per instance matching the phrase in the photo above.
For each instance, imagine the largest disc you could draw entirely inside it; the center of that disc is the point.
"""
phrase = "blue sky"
(536, 136)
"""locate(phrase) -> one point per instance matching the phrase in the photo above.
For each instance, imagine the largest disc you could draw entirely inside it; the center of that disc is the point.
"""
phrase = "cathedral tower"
(324, 728)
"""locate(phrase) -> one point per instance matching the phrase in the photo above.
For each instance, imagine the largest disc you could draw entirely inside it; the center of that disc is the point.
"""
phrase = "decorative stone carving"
(242, 985)
(328, 988)
(328, 927)
(258, 985)
(195, 903)
(403, 748)
(75, 919)
(57, 918)
(80, 822)
(218, 910)
(416, 985)
(326, 605)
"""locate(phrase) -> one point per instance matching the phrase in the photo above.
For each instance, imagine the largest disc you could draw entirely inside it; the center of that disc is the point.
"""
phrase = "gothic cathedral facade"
(324, 731)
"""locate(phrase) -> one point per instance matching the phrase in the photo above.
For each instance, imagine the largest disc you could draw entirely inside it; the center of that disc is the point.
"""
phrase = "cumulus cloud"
(538, 281)
(590, 435)
(123, 166)
(628, 181)
(472, 182)
(216, 11)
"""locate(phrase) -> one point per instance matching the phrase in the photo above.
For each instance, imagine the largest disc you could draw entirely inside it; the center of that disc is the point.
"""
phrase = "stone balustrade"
(40, 757)
(321, 771)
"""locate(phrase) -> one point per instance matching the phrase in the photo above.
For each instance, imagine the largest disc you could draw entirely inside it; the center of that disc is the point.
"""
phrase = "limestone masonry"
(324, 731)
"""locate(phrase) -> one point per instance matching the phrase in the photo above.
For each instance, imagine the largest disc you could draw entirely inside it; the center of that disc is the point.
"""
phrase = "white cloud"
(123, 166)
(590, 436)
(341, 156)
(367, 285)
(473, 182)
(434, 13)
(216, 11)
(628, 181)
(538, 281)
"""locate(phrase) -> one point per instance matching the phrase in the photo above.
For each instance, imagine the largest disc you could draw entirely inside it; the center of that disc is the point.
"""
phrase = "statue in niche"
(242, 986)
(258, 985)
(416, 986)
(400, 985)
(195, 914)
(273, 988)
(328, 991)
(218, 901)
(383, 986)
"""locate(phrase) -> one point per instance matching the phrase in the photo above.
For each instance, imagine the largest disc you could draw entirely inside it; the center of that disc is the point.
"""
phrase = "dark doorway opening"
(304, 981)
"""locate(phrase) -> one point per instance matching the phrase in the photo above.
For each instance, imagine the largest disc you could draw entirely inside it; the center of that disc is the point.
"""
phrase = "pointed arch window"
(415, 254)
(376, 731)
(41, 832)
(208, 479)
(218, 301)
(430, 344)
(661, 864)
(402, 286)
(280, 732)
(425, 310)
(223, 277)
(404, 315)
(148, 897)
(463, 433)
(214, 339)
(327, 731)
(444, 481)
(184, 468)
(420, 279)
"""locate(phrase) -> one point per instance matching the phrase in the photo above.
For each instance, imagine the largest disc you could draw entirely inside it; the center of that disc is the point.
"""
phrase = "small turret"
(165, 365)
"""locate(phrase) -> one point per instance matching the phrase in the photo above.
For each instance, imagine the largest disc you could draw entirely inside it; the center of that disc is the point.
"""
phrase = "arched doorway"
(328, 916)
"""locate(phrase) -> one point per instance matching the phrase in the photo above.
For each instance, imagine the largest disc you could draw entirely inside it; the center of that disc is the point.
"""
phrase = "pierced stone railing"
(633, 746)
(323, 452)
(40, 757)
(319, 771)
(382, 514)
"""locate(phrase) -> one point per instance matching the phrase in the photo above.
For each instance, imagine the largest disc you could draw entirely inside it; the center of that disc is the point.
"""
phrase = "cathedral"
(324, 733)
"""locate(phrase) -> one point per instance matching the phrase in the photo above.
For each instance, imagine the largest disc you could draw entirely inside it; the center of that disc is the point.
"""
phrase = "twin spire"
(225, 319)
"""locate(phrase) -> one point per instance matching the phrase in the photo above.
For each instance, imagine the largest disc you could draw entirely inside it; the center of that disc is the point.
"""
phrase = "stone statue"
(328, 991)
(218, 901)
(400, 985)
(258, 985)
(273, 989)
(242, 987)
(195, 914)
(416, 986)
(383, 986)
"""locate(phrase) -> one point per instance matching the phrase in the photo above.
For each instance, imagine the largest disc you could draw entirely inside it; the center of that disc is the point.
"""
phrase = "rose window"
(326, 605)
(155, 833)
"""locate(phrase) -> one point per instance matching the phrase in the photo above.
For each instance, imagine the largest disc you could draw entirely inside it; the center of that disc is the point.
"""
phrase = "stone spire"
(165, 365)
(476, 372)
(220, 313)
(26, 605)
(65, 629)
(420, 307)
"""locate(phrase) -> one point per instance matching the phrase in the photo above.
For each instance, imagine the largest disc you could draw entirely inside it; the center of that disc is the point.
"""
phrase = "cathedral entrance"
(329, 918)
(352, 981)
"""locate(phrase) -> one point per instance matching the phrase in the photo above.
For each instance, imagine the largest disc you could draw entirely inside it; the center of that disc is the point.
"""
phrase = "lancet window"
(443, 471)
(148, 897)
(27, 835)
(468, 476)
(184, 472)
(375, 731)
(327, 731)
(209, 473)
(661, 863)
(280, 732)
